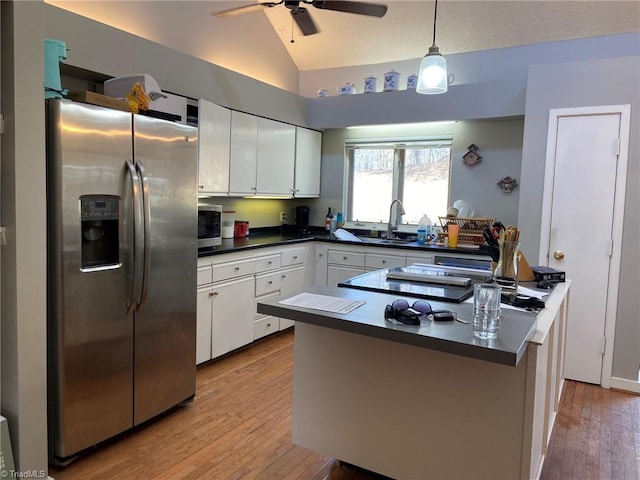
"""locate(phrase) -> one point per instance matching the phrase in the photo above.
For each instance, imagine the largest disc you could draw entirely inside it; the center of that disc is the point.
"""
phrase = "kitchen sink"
(388, 241)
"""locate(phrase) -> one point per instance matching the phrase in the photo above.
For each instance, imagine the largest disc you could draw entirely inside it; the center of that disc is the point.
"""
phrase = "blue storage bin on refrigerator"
(54, 52)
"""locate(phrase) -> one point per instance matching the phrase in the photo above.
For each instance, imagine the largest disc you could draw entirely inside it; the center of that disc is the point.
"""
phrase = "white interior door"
(584, 204)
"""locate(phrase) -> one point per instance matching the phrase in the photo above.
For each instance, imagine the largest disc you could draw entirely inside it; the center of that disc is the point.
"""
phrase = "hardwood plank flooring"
(239, 428)
(596, 435)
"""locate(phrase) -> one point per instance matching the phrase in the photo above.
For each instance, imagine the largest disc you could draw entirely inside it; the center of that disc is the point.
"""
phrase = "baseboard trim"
(623, 384)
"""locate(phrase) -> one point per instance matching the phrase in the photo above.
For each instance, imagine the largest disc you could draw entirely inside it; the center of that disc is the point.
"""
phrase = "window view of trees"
(418, 176)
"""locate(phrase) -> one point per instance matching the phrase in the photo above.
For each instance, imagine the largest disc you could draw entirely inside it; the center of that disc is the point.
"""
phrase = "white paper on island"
(323, 302)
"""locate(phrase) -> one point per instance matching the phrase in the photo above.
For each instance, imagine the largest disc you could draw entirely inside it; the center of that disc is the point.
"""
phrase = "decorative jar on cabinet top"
(370, 84)
(391, 81)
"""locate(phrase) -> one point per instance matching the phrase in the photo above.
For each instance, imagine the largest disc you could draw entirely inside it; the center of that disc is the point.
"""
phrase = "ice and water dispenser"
(100, 235)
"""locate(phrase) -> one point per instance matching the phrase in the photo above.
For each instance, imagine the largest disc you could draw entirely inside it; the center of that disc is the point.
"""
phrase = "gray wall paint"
(509, 65)
(602, 82)
(24, 261)
(500, 145)
(103, 49)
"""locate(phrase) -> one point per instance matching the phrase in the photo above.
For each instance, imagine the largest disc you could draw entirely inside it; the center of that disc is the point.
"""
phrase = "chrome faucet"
(390, 227)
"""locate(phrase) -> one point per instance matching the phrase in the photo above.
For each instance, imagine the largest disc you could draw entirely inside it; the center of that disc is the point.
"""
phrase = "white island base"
(414, 413)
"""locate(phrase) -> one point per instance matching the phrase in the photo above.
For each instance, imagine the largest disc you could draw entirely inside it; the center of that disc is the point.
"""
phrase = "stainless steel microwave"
(209, 225)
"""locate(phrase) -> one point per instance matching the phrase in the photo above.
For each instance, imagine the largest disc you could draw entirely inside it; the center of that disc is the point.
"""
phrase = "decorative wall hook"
(507, 184)
(471, 158)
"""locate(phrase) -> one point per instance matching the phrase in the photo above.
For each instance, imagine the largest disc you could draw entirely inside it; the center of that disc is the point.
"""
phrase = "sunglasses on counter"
(410, 315)
(401, 311)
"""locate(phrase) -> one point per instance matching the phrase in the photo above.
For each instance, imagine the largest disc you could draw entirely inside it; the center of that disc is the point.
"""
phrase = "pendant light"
(432, 77)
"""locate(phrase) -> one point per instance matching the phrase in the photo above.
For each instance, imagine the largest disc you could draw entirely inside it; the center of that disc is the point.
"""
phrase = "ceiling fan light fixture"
(432, 75)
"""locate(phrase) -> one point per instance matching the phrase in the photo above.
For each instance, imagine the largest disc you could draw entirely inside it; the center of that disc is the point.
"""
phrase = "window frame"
(399, 145)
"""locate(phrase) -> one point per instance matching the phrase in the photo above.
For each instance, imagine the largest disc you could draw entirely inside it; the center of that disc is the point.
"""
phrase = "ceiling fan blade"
(361, 8)
(304, 21)
(232, 12)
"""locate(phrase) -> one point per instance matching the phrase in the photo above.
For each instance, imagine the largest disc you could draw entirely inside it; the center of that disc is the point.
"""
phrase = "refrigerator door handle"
(137, 228)
(146, 233)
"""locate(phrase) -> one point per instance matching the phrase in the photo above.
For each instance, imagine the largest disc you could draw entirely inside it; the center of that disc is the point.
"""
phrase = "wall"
(500, 145)
(100, 48)
(604, 82)
(24, 262)
(507, 65)
(257, 211)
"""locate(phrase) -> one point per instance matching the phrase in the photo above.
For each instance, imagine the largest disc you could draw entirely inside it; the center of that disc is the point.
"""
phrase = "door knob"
(558, 254)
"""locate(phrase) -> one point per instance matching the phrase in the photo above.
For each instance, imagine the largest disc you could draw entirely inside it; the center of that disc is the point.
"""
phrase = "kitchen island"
(428, 401)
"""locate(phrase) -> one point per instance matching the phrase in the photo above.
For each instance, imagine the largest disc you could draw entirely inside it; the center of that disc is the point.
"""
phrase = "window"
(417, 173)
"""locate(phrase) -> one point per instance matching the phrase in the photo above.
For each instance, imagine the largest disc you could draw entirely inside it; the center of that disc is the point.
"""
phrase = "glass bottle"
(327, 224)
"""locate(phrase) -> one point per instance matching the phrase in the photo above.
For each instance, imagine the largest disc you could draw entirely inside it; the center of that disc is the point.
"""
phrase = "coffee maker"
(302, 220)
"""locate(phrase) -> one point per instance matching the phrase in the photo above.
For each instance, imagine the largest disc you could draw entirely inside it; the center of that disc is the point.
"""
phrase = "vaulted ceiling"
(255, 43)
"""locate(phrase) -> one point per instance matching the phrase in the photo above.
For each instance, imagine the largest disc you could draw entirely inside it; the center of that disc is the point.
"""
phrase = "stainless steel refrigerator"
(122, 240)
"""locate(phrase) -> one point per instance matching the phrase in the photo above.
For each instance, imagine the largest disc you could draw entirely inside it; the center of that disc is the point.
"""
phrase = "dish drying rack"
(470, 229)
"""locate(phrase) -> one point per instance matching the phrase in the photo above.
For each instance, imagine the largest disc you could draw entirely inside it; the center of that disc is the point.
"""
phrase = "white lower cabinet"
(291, 280)
(203, 324)
(337, 274)
(232, 315)
(230, 286)
(343, 264)
(224, 317)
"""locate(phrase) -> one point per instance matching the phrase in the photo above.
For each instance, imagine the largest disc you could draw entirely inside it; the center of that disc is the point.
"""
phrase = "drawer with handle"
(267, 283)
(239, 268)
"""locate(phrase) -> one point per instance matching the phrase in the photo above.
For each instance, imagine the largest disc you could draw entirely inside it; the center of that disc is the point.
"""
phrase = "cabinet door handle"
(201, 187)
(384, 261)
(283, 276)
(295, 257)
(213, 294)
(344, 258)
(269, 262)
(320, 255)
(268, 325)
(270, 282)
(237, 268)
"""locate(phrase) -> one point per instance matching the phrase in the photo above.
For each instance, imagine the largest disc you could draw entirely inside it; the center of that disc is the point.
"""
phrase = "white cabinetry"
(276, 158)
(320, 270)
(267, 157)
(214, 130)
(343, 264)
(376, 261)
(308, 155)
(267, 285)
(291, 280)
(335, 264)
(243, 154)
(230, 285)
(224, 318)
(232, 317)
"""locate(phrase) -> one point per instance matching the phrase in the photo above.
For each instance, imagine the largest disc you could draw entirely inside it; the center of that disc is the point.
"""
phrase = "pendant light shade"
(432, 77)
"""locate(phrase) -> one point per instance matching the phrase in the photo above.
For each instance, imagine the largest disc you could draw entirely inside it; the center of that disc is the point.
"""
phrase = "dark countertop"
(269, 237)
(516, 327)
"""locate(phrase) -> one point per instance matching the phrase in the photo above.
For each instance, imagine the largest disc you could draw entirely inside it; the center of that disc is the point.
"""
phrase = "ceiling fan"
(301, 15)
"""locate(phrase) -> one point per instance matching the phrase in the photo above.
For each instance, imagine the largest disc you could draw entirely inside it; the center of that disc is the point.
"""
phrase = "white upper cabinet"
(270, 158)
(243, 154)
(214, 130)
(307, 171)
(276, 157)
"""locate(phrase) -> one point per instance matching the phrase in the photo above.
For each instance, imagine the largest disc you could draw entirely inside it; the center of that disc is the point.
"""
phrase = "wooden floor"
(596, 435)
(239, 427)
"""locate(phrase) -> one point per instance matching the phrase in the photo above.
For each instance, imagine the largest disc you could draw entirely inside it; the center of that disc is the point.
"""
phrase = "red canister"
(240, 229)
